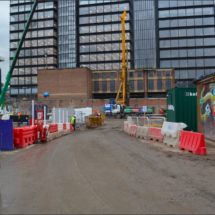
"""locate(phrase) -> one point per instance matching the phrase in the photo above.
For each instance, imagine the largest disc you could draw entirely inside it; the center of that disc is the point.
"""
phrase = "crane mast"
(121, 98)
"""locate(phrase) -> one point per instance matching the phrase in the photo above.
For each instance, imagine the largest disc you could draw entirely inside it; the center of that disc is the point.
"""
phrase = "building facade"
(186, 38)
(176, 34)
(41, 40)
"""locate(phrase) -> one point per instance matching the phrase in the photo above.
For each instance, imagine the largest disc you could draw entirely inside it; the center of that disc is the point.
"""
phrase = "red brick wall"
(65, 83)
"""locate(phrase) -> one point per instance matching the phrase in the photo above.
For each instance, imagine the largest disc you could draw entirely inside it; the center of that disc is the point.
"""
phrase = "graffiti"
(207, 110)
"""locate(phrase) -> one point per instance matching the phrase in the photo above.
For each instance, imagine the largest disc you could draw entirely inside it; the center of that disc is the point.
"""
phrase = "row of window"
(103, 37)
(35, 61)
(186, 22)
(96, 1)
(104, 75)
(24, 91)
(187, 32)
(35, 52)
(187, 63)
(184, 74)
(37, 15)
(105, 66)
(100, 19)
(23, 80)
(159, 74)
(186, 12)
(29, 70)
(41, 24)
(68, 11)
(102, 57)
(67, 48)
(104, 9)
(102, 47)
(161, 84)
(182, 3)
(104, 86)
(187, 42)
(19, 1)
(28, 7)
(187, 53)
(34, 34)
(34, 43)
(102, 28)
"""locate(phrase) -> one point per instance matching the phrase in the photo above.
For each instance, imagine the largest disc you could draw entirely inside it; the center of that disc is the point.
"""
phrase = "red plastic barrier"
(133, 130)
(64, 126)
(71, 127)
(193, 142)
(53, 128)
(24, 136)
(155, 134)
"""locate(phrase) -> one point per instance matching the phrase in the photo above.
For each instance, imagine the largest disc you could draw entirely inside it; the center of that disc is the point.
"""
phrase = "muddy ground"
(104, 171)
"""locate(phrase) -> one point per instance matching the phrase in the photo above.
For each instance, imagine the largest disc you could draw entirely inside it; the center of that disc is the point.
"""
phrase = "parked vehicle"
(121, 111)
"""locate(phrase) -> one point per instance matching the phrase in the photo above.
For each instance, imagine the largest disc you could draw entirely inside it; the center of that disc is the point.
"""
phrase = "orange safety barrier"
(24, 136)
(71, 127)
(155, 134)
(64, 126)
(193, 142)
(133, 130)
(53, 128)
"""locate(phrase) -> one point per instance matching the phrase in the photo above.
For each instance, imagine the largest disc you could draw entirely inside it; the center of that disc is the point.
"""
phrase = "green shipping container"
(182, 107)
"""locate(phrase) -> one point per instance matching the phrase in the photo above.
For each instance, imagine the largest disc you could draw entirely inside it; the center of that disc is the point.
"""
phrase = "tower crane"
(123, 97)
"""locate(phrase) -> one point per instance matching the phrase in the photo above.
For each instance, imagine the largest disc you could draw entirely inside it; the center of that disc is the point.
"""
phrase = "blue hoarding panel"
(6, 135)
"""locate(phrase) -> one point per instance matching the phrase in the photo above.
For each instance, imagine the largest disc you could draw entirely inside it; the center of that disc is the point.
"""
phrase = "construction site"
(111, 139)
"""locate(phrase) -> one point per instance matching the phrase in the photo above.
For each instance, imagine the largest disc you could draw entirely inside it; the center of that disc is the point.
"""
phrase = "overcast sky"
(4, 37)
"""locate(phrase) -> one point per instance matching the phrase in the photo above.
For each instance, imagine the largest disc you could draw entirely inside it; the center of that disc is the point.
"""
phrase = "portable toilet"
(182, 106)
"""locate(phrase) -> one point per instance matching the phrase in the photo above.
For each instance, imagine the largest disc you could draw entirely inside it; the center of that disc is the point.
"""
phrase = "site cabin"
(122, 111)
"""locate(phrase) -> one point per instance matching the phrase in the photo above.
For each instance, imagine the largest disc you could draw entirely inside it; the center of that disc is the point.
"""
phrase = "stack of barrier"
(193, 142)
(71, 127)
(24, 136)
(125, 126)
(64, 126)
(133, 130)
(60, 126)
(53, 128)
(155, 134)
(142, 132)
(171, 132)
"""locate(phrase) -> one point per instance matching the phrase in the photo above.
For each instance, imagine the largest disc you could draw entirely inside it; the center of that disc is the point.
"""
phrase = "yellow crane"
(121, 98)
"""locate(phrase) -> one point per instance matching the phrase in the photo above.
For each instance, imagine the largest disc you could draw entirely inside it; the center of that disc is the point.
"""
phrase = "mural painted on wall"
(207, 108)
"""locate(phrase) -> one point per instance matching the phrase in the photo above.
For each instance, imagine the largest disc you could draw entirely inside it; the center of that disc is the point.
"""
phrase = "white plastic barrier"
(171, 132)
(142, 132)
(60, 126)
(128, 129)
(67, 126)
(125, 126)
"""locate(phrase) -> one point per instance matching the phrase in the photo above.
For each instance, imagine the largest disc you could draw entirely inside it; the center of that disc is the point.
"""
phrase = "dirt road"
(104, 171)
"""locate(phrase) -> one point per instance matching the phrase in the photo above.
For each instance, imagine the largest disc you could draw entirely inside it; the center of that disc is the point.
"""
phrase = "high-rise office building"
(40, 41)
(176, 34)
(186, 38)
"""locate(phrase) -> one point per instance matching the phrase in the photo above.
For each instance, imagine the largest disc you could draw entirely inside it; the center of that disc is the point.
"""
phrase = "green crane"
(10, 72)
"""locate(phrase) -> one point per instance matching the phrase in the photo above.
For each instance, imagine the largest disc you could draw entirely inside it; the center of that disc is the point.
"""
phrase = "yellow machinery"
(124, 86)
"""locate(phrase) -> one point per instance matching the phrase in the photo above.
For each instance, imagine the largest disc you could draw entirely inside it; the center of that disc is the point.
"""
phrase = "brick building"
(143, 83)
(65, 83)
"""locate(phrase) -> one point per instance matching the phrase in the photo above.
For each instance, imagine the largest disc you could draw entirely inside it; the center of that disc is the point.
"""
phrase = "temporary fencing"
(133, 130)
(53, 128)
(143, 121)
(125, 126)
(60, 126)
(24, 136)
(171, 132)
(156, 121)
(193, 142)
(155, 134)
(67, 126)
(142, 132)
